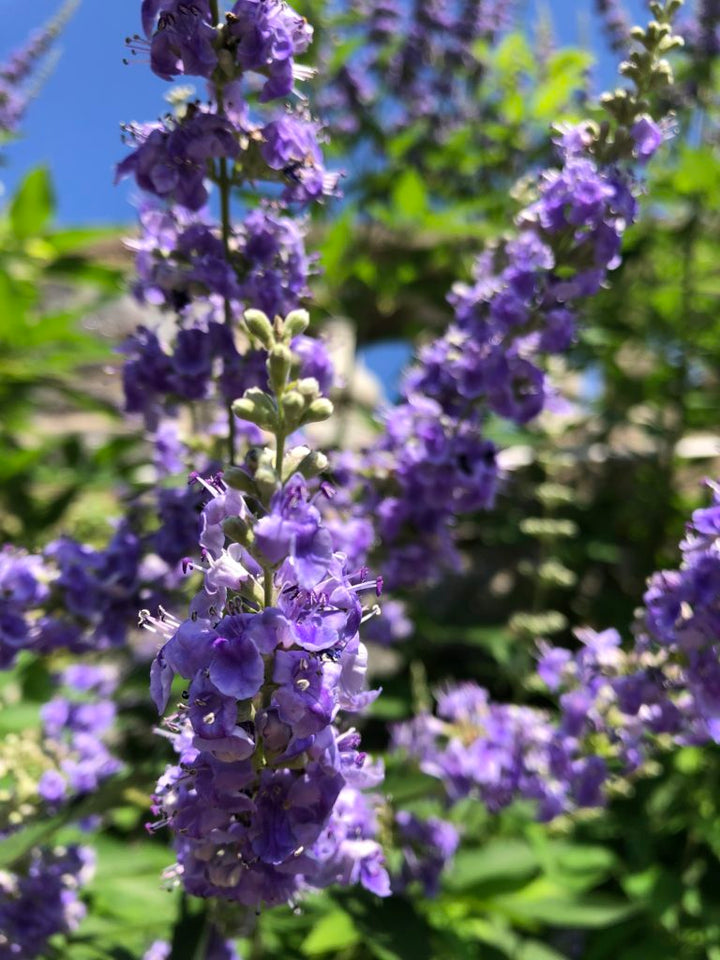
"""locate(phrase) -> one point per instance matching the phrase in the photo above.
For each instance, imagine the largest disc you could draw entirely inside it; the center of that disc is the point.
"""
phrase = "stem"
(279, 454)
(256, 950)
(268, 586)
(226, 228)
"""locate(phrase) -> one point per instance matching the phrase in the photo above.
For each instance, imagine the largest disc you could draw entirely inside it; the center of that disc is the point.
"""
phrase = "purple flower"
(647, 136)
(181, 36)
(170, 162)
(236, 667)
(314, 361)
(268, 34)
(293, 530)
(305, 696)
(290, 146)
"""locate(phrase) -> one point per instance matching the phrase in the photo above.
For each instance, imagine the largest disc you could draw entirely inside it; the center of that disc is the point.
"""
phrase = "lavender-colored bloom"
(427, 848)
(23, 587)
(277, 265)
(236, 667)
(267, 35)
(615, 23)
(181, 37)
(43, 901)
(170, 161)
(258, 782)
(179, 254)
(647, 136)
(432, 461)
(315, 361)
(16, 73)
(290, 145)
(293, 529)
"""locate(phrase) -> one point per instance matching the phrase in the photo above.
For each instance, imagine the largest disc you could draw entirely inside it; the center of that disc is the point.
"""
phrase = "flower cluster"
(200, 269)
(23, 587)
(17, 87)
(427, 848)
(616, 706)
(75, 727)
(261, 36)
(615, 23)
(42, 900)
(423, 57)
(432, 461)
(217, 948)
(271, 654)
(702, 32)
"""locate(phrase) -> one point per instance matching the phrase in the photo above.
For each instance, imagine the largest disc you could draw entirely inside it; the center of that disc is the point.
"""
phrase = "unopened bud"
(293, 406)
(260, 327)
(279, 363)
(237, 529)
(257, 407)
(308, 387)
(313, 464)
(296, 323)
(238, 479)
(320, 409)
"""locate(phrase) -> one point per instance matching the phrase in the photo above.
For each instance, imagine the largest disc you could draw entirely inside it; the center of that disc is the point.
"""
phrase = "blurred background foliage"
(594, 501)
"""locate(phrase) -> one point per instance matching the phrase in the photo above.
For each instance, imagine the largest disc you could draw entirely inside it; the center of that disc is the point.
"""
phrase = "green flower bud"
(279, 363)
(296, 322)
(320, 409)
(260, 327)
(238, 530)
(238, 479)
(256, 407)
(293, 406)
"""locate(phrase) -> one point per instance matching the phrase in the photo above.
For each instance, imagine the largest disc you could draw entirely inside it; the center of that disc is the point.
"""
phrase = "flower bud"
(279, 363)
(308, 387)
(237, 529)
(293, 407)
(260, 327)
(313, 464)
(257, 407)
(238, 479)
(296, 322)
(320, 409)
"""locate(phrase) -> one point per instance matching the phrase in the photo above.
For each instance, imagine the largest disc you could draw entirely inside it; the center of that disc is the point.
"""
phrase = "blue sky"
(74, 125)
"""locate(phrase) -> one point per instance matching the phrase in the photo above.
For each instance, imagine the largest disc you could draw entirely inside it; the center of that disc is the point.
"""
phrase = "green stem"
(256, 950)
(223, 182)
(279, 454)
(268, 587)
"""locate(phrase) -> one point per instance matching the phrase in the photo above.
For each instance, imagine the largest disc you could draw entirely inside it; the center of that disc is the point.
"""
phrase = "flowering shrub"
(204, 671)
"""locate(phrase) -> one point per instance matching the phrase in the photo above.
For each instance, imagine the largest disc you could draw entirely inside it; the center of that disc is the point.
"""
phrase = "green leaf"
(544, 901)
(14, 847)
(390, 928)
(33, 205)
(409, 197)
(495, 863)
(335, 931)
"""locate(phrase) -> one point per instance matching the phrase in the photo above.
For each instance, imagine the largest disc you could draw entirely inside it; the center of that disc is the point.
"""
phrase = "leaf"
(545, 902)
(409, 197)
(14, 847)
(33, 205)
(498, 861)
(390, 928)
(335, 931)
